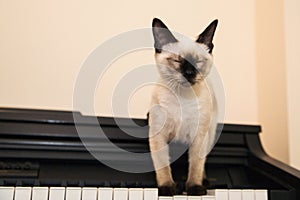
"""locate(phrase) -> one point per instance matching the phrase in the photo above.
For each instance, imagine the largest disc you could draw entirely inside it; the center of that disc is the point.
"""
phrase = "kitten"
(182, 107)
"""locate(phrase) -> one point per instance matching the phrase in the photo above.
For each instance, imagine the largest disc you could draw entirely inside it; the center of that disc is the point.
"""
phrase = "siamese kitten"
(183, 108)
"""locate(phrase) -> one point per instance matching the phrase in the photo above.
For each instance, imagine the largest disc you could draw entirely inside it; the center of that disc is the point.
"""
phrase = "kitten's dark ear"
(161, 34)
(207, 35)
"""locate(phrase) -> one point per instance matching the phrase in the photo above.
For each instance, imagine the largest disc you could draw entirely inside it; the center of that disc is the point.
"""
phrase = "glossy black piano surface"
(42, 148)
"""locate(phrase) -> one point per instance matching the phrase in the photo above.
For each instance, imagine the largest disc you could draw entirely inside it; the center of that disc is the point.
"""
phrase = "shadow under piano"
(58, 152)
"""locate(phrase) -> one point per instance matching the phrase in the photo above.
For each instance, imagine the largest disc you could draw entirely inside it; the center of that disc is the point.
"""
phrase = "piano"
(43, 157)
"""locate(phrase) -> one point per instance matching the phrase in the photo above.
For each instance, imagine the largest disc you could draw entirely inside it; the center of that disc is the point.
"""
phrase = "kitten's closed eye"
(176, 60)
(199, 61)
(181, 60)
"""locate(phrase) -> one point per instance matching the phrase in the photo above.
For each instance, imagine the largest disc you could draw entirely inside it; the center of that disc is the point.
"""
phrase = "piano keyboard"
(93, 193)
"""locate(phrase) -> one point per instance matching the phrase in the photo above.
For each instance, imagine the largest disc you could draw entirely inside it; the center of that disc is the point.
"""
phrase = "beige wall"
(277, 41)
(292, 28)
(271, 77)
(43, 44)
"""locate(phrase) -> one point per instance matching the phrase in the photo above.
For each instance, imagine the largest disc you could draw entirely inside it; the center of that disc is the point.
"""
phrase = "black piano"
(43, 148)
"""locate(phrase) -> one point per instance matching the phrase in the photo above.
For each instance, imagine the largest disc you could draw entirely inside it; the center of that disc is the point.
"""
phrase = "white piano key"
(235, 194)
(40, 193)
(57, 193)
(220, 194)
(89, 193)
(7, 193)
(248, 195)
(208, 197)
(105, 193)
(120, 194)
(261, 195)
(22, 193)
(165, 198)
(135, 194)
(150, 194)
(194, 197)
(73, 193)
(179, 197)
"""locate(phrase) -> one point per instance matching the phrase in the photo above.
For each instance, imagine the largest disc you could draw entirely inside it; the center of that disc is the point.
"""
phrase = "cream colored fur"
(181, 112)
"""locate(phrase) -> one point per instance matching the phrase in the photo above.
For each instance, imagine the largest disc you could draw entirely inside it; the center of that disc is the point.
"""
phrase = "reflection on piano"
(42, 158)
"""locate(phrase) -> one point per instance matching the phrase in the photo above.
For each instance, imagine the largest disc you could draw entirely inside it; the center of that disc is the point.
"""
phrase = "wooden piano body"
(42, 148)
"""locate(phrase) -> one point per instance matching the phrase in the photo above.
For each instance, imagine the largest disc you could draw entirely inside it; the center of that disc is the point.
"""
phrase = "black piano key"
(9, 182)
(130, 184)
(63, 183)
(72, 183)
(115, 183)
(135, 184)
(36, 183)
(107, 184)
(50, 182)
(28, 182)
(93, 183)
(81, 183)
(19, 183)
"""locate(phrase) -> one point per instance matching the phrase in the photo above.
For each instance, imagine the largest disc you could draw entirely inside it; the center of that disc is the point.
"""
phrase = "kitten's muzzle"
(190, 76)
(188, 71)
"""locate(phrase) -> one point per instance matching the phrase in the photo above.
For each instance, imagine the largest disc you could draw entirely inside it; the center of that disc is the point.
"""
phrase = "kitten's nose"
(189, 73)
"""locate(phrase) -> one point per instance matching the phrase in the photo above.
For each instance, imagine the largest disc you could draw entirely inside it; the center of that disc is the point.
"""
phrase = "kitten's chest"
(186, 116)
(181, 109)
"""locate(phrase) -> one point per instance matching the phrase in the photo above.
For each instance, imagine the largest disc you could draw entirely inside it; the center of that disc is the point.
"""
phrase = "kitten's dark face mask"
(188, 71)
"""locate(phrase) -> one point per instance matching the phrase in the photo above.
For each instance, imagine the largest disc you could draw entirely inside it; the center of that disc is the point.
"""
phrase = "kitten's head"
(182, 62)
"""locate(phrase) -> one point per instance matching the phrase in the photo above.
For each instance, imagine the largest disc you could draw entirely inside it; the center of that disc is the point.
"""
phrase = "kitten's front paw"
(167, 190)
(196, 190)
